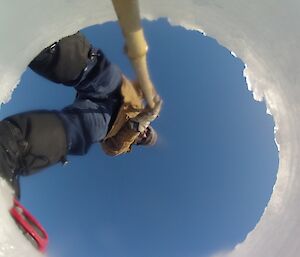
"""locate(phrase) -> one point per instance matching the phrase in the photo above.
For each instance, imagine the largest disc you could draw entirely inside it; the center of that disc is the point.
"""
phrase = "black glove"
(148, 115)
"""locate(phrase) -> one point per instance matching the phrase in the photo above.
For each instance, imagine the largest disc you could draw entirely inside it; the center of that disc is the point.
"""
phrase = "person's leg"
(100, 79)
(63, 61)
(88, 122)
(9, 155)
(74, 62)
(30, 142)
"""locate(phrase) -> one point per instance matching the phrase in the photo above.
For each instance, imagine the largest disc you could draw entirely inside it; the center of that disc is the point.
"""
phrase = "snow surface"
(264, 34)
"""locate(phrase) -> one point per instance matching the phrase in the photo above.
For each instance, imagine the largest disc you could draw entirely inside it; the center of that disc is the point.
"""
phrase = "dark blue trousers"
(88, 119)
(97, 103)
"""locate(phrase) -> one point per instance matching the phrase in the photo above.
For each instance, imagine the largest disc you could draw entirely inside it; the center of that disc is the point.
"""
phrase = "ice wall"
(12, 242)
(264, 34)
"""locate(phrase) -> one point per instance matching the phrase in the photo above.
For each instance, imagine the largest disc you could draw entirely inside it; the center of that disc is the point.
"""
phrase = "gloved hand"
(144, 119)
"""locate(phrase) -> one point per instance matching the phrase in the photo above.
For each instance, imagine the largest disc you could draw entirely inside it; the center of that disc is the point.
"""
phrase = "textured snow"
(12, 242)
(264, 34)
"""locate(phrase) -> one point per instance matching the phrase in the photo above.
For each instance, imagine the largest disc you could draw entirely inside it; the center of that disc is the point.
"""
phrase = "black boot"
(10, 153)
(43, 140)
(30, 142)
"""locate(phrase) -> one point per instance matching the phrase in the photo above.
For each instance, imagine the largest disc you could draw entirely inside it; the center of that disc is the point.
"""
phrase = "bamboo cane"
(135, 44)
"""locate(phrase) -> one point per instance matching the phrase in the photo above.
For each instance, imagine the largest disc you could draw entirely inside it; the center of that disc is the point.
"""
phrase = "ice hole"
(201, 190)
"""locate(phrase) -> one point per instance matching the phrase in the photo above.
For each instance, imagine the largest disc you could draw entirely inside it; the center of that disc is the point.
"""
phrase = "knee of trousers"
(42, 140)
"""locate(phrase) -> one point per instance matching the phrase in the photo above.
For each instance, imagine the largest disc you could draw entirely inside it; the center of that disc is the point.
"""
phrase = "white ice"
(263, 33)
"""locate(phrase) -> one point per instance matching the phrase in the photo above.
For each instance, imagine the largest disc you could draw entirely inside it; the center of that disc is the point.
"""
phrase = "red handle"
(30, 225)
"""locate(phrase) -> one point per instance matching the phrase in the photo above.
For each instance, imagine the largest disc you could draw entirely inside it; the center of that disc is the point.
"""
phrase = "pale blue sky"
(201, 189)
